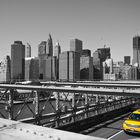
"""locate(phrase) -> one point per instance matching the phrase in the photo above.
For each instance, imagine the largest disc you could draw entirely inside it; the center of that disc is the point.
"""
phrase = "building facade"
(51, 68)
(99, 56)
(127, 60)
(86, 67)
(31, 68)
(136, 51)
(76, 45)
(42, 55)
(17, 61)
(5, 70)
(69, 66)
(28, 50)
(49, 47)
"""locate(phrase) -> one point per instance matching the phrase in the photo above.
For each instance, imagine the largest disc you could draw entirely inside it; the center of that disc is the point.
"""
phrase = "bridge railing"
(55, 107)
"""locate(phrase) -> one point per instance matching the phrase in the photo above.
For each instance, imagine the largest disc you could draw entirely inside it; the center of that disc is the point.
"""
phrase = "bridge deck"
(14, 130)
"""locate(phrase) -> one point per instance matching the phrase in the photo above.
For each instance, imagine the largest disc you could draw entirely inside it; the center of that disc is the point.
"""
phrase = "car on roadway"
(132, 123)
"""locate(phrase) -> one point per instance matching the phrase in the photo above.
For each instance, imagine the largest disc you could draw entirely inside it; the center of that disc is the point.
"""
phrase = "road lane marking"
(115, 135)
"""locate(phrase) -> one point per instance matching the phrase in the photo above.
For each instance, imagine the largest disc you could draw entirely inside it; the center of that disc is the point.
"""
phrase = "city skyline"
(95, 22)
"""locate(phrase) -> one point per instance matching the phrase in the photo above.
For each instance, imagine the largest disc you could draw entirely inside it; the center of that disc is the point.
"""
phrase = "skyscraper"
(86, 67)
(57, 50)
(99, 56)
(49, 47)
(42, 58)
(127, 60)
(45, 50)
(42, 48)
(28, 50)
(5, 71)
(17, 60)
(69, 66)
(76, 45)
(31, 68)
(136, 51)
(74, 66)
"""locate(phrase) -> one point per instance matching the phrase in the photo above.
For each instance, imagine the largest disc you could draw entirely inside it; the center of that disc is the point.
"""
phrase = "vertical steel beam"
(57, 109)
(73, 107)
(86, 105)
(37, 115)
(10, 104)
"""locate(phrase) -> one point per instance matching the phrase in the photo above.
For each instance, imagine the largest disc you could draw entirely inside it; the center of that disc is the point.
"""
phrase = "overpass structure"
(88, 102)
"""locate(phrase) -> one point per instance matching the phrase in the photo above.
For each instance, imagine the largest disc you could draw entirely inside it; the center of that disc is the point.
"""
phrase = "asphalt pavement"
(111, 130)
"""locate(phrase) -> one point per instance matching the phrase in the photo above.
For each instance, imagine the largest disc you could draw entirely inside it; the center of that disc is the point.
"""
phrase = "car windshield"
(135, 117)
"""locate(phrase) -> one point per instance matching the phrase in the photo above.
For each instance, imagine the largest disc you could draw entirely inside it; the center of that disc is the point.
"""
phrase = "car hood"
(132, 122)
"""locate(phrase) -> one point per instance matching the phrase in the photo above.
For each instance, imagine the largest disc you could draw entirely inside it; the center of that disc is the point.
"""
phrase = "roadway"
(111, 130)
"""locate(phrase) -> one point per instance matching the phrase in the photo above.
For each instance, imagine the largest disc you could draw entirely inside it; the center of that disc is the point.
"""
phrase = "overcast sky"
(95, 22)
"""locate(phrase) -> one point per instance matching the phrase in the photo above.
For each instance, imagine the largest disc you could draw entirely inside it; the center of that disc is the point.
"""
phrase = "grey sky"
(95, 22)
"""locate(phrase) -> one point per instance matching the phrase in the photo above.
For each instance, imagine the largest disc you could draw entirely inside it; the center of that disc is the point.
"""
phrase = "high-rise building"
(127, 60)
(64, 66)
(49, 47)
(42, 48)
(108, 73)
(51, 68)
(5, 71)
(86, 52)
(74, 66)
(99, 56)
(31, 68)
(134, 73)
(136, 51)
(86, 67)
(45, 50)
(42, 58)
(76, 45)
(57, 50)
(28, 50)
(17, 61)
(69, 66)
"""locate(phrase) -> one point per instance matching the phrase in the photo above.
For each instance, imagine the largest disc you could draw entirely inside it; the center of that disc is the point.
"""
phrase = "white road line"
(115, 135)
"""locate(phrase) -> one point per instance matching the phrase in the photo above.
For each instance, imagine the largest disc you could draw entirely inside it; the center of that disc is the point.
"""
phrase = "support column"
(73, 107)
(86, 105)
(10, 104)
(37, 115)
(57, 110)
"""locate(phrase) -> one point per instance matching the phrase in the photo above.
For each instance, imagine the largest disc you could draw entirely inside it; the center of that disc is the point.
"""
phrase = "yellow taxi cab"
(132, 123)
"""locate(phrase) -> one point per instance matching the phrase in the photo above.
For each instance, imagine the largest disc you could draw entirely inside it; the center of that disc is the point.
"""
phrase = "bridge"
(88, 102)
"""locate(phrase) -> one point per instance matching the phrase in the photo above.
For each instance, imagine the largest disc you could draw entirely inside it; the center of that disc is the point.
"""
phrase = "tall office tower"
(86, 67)
(17, 61)
(57, 50)
(69, 66)
(136, 51)
(49, 47)
(51, 68)
(42, 58)
(108, 66)
(5, 73)
(28, 50)
(74, 66)
(76, 45)
(99, 56)
(127, 60)
(42, 48)
(86, 52)
(134, 73)
(31, 68)
(64, 66)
